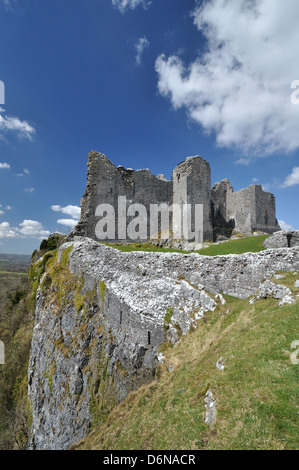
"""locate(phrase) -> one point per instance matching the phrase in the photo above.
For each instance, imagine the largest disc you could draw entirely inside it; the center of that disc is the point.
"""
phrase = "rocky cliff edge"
(102, 315)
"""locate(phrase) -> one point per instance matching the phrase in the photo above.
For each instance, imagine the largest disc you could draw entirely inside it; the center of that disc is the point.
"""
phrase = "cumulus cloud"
(239, 87)
(32, 228)
(123, 5)
(285, 226)
(10, 124)
(68, 222)
(26, 229)
(140, 46)
(8, 208)
(292, 179)
(6, 231)
(73, 211)
(4, 166)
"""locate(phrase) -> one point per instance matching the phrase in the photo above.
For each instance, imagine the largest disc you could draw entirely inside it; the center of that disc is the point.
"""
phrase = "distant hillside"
(14, 263)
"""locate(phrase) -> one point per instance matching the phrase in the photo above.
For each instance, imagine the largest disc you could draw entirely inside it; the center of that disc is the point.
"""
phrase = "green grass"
(242, 245)
(148, 247)
(239, 246)
(257, 392)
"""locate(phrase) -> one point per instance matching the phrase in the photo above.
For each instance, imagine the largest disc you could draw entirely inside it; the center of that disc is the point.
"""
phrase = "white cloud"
(29, 190)
(32, 228)
(239, 88)
(292, 179)
(243, 161)
(123, 5)
(4, 166)
(26, 229)
(8, 208)
(255, 180)
(140, 46)
(6, 231)
(68, 222)
(285, 226)
(26, 172)
(73, 211)
(22, 129)
(8, 3)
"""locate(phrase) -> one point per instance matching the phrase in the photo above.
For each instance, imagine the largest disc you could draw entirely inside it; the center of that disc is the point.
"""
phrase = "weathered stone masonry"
(224, 210)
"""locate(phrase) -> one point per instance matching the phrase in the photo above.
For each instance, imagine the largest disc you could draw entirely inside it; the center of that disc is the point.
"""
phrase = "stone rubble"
(282, 239)
(210, 405)
(220, 364)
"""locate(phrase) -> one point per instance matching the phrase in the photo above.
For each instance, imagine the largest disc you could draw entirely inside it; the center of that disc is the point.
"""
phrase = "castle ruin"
(224, 211)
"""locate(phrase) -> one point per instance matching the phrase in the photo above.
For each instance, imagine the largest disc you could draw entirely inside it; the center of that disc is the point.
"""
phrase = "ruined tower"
(191, 185)
(246, 211)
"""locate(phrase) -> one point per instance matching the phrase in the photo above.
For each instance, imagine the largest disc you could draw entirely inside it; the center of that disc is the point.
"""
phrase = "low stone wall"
(236, 275)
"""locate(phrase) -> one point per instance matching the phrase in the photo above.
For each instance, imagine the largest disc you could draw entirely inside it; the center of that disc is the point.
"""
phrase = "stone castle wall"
(106, 183)
(245, 211)
(224, 210)
(191, 185)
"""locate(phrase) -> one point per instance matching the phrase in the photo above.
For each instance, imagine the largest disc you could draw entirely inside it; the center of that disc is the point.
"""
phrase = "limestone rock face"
(270, 289)
(283, 239)
(102, 314)
(99, 323)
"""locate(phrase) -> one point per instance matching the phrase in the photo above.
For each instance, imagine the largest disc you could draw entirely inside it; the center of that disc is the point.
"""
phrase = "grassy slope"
(241, 245)
(257, 393)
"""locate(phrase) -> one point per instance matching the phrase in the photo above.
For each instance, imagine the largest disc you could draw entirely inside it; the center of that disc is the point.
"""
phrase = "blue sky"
(147, 83)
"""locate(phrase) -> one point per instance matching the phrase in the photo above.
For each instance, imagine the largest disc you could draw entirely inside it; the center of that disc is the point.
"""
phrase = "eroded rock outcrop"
(101, 316)
(283, 239)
